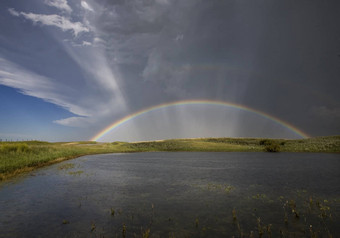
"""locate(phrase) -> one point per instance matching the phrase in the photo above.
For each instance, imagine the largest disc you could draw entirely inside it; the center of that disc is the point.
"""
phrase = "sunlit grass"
(318, 144)
(16, 158)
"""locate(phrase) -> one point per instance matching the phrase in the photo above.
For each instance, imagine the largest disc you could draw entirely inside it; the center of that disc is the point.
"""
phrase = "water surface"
(176, 195)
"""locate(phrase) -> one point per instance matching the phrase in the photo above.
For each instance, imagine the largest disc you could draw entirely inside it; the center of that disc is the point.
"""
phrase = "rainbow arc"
(132, 116)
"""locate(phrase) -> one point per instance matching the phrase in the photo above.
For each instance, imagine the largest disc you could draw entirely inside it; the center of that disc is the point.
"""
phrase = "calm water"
(176, 195)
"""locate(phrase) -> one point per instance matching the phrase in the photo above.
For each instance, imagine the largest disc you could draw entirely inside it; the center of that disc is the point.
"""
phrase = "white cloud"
(86, 43)
(96, 98)
(98, 40)
(53, 20)
(60, 4)
(4, 73)
(75, 44)
(73, 121)
(96, 65)
(13, 12)
(32, 84)
(86, 6)
(89, 105)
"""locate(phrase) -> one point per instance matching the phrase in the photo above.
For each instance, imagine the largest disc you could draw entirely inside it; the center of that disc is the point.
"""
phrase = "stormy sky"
(70, 68)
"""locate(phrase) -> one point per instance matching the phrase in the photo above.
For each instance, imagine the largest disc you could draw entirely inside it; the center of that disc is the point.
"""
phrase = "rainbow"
(195, 102)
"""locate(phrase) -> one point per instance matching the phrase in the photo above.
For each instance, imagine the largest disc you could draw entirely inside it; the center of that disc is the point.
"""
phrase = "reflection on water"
(176, 195)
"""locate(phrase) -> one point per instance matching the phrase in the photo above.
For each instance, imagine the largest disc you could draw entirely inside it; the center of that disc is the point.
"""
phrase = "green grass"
(329, 144)
(19, 157)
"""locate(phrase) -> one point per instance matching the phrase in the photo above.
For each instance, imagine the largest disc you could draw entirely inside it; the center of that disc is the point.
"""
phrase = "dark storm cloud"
(277, 56)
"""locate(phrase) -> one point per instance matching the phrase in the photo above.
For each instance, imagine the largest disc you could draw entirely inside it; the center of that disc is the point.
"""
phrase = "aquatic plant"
(259, 227)
(286, 218)
(259, 196)
(312, 233)
(66, 166)
(220, 187)
(93, 226)
(196, 222)
(229, 188)
(251, 235)
(65, 222)
(124, 231)
(76, 172)
(146, 233)
(234, 215)
(269, 231)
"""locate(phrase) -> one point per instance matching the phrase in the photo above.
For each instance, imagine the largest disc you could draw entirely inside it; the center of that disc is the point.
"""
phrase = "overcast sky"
(70, 68)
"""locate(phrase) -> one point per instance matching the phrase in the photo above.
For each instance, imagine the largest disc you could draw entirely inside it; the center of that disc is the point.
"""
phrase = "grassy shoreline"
(20, 157)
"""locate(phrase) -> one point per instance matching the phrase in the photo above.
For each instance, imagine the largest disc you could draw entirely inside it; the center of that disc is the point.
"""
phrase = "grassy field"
(329, 144)
(19, 157)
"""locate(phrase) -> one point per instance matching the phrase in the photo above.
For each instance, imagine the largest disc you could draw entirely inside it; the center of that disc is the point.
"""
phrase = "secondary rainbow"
(196, 102)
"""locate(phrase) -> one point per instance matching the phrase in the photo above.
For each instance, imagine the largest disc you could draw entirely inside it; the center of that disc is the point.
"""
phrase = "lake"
(180, 194)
